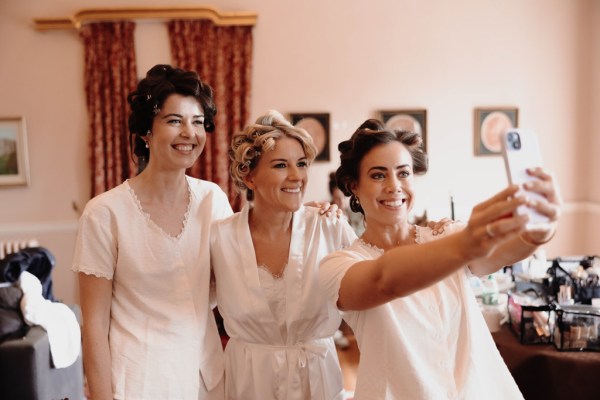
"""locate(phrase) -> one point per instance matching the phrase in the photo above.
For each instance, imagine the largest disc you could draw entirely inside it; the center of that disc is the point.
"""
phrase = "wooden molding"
(159, 13)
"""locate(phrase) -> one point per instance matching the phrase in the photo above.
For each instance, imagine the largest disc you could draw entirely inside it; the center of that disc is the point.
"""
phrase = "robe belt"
(316, 347)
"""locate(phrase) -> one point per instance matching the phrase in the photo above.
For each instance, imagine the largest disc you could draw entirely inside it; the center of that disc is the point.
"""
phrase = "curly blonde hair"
(258, 138)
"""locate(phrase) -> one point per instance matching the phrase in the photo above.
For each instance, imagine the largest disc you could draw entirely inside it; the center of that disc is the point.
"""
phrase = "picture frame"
(14, 161)
(414, 120)
(317, 125)
(490, 123)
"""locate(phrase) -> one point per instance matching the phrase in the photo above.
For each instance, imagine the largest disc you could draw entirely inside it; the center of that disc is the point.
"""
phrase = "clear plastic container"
(577, 328)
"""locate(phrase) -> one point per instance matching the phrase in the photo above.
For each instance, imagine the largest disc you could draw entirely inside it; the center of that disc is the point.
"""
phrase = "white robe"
(259, 363)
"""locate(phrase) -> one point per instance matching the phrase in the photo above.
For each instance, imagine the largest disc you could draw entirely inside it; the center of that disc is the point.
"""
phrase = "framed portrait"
(490, 123)
(407, 120)
(14, 163)
(317, 125)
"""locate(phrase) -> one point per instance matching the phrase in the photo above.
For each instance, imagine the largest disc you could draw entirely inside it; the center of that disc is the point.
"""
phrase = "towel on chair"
(59, 321)
(37, 260)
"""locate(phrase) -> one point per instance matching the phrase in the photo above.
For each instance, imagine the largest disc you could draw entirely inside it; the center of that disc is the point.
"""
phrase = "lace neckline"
(378, 249)
(136, 200)
(276, 276)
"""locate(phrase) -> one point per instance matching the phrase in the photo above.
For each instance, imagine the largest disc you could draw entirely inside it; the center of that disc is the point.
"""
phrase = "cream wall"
(591, 161)
(350, 58)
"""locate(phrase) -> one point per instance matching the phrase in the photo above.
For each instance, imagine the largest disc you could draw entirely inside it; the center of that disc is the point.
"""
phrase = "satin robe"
(259, 362)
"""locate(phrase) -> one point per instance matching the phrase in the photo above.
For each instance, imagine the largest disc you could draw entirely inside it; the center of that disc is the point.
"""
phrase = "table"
(544, 373)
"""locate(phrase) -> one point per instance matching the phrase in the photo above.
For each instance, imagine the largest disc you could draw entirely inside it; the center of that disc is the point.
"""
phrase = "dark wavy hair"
(370, 134)
(146, 100)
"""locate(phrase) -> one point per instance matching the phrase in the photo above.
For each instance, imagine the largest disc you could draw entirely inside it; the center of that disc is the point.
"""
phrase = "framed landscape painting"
(14, 164)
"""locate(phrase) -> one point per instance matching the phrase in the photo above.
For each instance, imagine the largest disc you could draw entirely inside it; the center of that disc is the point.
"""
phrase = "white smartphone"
(520, 150)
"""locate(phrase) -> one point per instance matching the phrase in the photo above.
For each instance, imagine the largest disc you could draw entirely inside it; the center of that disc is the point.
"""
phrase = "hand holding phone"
(520, 150)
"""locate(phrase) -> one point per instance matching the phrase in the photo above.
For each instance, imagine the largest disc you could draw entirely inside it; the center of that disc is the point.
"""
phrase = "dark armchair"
(26, 368)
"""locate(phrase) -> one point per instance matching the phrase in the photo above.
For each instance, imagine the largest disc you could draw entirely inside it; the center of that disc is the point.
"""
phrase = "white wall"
(350, 58)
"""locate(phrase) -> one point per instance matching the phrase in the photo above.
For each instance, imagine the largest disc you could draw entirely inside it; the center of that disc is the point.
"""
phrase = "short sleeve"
(95, 246)
(221, 207)
(338, 230)
(331, 271)
(348, 236)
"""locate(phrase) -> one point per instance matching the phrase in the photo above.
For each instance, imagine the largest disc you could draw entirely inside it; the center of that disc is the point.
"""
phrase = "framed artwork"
(317, 125)
(14, 164)
(490, 123)
(407, 120)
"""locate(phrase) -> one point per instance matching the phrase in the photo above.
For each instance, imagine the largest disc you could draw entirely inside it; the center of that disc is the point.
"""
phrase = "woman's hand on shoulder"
(438, 227)
(330, 210)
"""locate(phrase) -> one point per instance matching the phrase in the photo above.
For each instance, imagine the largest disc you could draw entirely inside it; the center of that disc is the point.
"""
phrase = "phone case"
(521, 150)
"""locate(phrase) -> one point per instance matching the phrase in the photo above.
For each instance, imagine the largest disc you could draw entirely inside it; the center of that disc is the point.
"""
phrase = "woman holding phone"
(405, 293)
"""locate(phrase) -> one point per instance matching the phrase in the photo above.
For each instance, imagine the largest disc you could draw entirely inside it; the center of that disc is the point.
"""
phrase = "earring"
(355, 203)
(147, 145)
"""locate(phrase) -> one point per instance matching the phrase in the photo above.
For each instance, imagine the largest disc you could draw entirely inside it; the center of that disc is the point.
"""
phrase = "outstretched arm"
(406, 269)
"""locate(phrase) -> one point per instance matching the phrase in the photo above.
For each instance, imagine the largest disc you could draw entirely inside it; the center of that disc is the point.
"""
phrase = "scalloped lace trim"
(370, 246)
(147, 216)
(95, 273)
(418, 237)
(418, 240)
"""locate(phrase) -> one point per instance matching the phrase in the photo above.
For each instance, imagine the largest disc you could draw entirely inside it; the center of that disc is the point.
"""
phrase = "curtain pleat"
(110, 74)
(222, 56)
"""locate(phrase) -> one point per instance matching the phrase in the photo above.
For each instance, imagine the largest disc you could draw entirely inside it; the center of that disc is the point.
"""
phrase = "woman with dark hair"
(142, 254)
(406, 293)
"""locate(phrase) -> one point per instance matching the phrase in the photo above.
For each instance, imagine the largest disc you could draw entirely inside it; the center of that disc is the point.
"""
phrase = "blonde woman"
(265, 261)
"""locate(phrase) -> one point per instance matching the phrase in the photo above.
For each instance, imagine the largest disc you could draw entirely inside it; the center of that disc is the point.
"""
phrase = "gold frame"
(13, 130)
(131, 13)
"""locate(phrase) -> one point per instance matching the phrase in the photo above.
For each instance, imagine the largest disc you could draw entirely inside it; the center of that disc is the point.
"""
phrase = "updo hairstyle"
(258, 138)
(146, 100)
(370, 134)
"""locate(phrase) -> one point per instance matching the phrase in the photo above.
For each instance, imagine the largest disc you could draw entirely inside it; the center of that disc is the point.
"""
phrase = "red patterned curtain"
(222, 56)
(110, 74)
